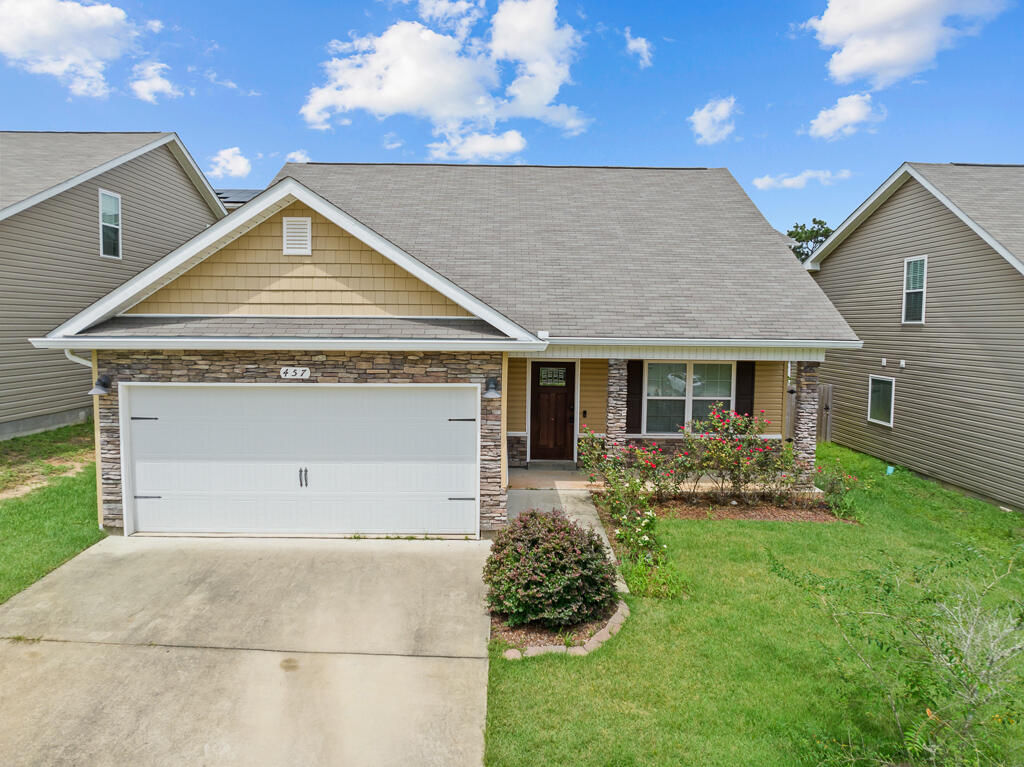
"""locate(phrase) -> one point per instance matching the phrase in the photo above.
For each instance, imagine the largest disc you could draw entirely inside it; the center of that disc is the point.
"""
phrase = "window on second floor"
(110, 224)
(914, 279)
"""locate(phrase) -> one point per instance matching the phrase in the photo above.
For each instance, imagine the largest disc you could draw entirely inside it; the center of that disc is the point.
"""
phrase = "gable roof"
(276, 198)
(592, 252)
(35, 166)
(987, 198)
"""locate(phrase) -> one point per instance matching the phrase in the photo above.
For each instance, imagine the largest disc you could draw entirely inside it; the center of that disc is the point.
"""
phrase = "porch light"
(492, 389)
(102, 386)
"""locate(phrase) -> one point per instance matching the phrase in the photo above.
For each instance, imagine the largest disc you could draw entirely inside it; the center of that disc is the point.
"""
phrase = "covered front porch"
(551, 401)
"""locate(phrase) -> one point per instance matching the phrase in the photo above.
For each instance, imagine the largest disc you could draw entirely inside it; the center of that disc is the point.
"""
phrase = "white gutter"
(76, 358)
(720, 342)
(310, 344)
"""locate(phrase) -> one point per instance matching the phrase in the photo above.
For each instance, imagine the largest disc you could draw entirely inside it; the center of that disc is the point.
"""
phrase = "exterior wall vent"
(297, 235)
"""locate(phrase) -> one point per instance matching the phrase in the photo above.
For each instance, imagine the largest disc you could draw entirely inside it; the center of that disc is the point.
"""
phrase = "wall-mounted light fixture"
(102, 386)
(492, 389)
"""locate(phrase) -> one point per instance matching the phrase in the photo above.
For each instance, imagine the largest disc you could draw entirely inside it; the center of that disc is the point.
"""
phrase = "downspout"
(76, 358)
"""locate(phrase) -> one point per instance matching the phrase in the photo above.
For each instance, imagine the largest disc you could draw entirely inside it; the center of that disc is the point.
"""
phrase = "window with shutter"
(298, 236)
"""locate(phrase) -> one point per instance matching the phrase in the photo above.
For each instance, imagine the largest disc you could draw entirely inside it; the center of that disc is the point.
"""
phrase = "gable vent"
(298, 236)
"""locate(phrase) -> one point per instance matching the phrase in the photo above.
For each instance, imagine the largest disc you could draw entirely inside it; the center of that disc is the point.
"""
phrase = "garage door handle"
(300, 478)
(461, 419)
(463, 499)
(305, 477)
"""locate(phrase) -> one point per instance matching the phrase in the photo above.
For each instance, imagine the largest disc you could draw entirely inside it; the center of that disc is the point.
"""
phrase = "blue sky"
(817, 101)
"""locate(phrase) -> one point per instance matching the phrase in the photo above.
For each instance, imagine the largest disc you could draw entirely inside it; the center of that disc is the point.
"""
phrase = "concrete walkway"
(172, 651)
(575, 504)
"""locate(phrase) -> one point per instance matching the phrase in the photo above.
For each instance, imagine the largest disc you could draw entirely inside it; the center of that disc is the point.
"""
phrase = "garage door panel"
(226, 458)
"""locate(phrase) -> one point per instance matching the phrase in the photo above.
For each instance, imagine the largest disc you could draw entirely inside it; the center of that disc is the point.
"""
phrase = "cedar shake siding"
(959, 401)
(341, 277)
(51, 268)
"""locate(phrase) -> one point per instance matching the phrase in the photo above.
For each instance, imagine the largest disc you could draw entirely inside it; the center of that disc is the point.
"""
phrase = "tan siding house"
(951, 360)
(51, 265)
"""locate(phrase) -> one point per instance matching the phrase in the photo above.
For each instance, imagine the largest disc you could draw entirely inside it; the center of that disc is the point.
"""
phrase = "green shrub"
(730, 449)
(660, 581)
(544, 568)
(838, 485)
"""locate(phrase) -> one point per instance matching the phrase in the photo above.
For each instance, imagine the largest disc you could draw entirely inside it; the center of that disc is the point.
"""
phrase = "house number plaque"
(294, 372)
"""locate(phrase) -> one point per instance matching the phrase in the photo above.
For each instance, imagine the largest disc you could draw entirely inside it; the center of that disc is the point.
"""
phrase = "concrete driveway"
(212, 651)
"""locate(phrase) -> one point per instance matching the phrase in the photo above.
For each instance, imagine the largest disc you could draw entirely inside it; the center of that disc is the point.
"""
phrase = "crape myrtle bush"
(544, 568)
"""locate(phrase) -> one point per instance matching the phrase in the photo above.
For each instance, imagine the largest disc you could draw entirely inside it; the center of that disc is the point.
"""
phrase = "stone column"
(615, 428)
(805, 420)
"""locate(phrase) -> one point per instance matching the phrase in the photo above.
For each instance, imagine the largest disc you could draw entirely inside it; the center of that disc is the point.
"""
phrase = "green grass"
(38, 456)
(739, 671)
(45, 528)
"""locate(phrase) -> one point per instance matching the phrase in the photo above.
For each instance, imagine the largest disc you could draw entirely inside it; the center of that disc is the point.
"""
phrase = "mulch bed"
(534, 635)
(678, 509)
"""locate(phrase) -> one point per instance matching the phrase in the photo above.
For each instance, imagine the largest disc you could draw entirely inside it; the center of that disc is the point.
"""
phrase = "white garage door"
(301, 458)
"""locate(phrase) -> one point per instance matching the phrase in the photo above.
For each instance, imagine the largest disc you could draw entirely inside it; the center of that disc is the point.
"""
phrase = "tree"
(808, 238)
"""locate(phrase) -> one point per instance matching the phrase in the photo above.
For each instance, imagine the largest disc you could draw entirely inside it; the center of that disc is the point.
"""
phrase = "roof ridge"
(497, 165)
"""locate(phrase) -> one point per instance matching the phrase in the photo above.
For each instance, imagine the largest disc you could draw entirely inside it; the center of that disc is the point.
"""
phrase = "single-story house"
(80, 213)
(929, 271)
(368, 348)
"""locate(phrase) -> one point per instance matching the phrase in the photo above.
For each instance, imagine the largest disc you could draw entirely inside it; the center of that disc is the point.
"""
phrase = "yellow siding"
(770, 392)
(515, 390)
(342, 277)
(593, 394)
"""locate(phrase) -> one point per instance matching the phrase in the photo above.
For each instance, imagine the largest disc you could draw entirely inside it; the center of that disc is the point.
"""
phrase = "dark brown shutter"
(745, 387)
(634, 395)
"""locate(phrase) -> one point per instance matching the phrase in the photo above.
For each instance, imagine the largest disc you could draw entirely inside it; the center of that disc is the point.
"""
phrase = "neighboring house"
(929, 272)
(368, 348)
(80, 213)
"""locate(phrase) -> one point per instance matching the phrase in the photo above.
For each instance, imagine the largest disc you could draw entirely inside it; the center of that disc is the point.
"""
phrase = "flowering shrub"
(544, 568)
(837, 485)
(731, 450)
(590, 453)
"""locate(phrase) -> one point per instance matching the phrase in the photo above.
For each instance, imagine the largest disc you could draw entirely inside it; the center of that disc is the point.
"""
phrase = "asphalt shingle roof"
(991, 195)
(590, 251)
(32, 162)
(442, 328)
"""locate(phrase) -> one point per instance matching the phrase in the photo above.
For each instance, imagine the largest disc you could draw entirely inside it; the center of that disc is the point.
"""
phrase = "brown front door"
(552, 410)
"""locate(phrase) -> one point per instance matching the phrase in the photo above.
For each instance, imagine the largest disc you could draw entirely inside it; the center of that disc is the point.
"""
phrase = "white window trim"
(892, 400)
(120, 224)
(923, 291)
(689, 394)
(308, 249)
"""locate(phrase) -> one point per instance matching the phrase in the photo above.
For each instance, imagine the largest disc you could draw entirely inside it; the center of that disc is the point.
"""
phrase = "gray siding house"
(929, 272)
(80, 213)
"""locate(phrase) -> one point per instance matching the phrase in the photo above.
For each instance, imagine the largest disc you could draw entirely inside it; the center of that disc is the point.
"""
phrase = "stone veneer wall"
(326, 367)
(615, 428)
(517, 451)
(805, 417)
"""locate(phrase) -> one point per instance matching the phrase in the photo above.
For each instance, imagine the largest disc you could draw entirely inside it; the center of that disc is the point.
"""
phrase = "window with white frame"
(881, 399)
(110, 224)
(915, 274)
(297, 236)
(677, 392)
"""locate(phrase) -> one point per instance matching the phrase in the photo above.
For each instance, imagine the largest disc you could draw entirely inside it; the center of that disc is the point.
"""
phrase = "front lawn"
(45, 528)
(738, 672)
(34, 458)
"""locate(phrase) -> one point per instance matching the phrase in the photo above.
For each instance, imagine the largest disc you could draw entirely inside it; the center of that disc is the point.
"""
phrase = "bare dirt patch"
(535, 635)
(679, 509)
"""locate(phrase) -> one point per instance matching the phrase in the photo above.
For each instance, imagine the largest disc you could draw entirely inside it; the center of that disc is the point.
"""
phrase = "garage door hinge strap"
(462, 499)
(137, 497)
(145, 418)
(461, 419)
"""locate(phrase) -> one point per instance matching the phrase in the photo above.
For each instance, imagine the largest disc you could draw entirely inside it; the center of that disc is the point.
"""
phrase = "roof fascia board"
(711, 342)
(177, 149)
(855, 219)
(310, 344)
(185, 257)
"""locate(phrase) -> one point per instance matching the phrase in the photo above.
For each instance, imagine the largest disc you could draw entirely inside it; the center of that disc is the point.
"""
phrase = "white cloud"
(155, 25)
(299, 155)
(70, 40)
(225, 82)
(230, 162)
(391, 141)
(846, 117)
(148, 82)
(713, 122)
(478, 146)
(799, 181)
(884, 40)
(640, 47)
(452, 79)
